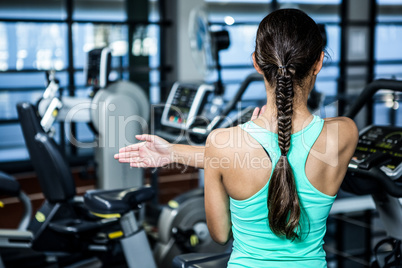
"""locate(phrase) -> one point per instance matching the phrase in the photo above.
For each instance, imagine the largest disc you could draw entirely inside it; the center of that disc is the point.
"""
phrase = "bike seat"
(201, 260)
(8, 185)
(112, 203)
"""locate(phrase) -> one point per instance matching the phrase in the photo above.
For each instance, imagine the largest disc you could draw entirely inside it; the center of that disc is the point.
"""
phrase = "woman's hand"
(152, 152)
(258, 112)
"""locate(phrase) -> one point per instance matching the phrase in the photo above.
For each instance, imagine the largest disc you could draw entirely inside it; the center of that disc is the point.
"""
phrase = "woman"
(271, 182)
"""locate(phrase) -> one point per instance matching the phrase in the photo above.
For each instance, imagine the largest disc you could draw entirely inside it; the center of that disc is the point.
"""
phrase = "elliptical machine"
(115, 112)
(376, 169)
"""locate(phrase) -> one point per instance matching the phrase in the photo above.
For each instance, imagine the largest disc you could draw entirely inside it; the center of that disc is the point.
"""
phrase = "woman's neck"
(301, 116)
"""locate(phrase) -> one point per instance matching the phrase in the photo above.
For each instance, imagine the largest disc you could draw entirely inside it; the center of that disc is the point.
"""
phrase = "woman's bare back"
(246, 167)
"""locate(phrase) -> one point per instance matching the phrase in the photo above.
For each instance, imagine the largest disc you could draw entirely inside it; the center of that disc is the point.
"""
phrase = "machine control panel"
(382, 144)
(184, 104)
(97, 67)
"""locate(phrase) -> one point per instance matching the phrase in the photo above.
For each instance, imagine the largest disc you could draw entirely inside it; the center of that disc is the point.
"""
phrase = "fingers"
(258, 112)
(131, 148)
(133, 159)
(141, 162)
(145, 137)
(128, 151)
(123, 157)
(255, 113)
(263, 108)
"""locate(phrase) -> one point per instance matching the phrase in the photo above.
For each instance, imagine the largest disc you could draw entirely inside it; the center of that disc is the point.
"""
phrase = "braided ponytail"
(288, 44)
(283, 201)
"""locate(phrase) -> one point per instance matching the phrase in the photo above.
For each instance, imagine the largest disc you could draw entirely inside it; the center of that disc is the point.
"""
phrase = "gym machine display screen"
(184, 104)
(377, 140)
(97, 68)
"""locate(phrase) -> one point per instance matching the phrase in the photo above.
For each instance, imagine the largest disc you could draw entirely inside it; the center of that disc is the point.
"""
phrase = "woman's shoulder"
(332, 152)
(223, 140)
(340, 120)
(344, 125)
(341, 131)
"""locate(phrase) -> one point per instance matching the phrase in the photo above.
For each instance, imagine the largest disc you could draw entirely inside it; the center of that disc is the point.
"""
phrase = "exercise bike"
(11, 188)
(375, 169)
(99, 228)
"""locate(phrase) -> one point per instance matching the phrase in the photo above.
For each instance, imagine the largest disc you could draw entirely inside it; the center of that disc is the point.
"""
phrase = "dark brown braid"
(282, 187)
(288, 44)
(284, 104)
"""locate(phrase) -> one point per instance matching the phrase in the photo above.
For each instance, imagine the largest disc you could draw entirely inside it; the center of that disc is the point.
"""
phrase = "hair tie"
(284, 154)
(282, 67)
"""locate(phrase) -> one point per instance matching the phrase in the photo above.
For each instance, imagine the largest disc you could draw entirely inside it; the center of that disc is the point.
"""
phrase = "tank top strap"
(303, 139)
(302, 142)
(268, 140)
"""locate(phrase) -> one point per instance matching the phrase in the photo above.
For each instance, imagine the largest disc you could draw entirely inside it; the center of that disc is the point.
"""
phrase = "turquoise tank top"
(255, 245)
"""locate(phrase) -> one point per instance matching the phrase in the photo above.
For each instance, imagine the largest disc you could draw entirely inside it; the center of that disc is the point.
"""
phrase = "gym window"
(37, 36)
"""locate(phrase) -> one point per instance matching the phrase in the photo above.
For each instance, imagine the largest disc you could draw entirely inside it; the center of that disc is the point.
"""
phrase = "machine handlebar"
(390, 186)
(369, 91)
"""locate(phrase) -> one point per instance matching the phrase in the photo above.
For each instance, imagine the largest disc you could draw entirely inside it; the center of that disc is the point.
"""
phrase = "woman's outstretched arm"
(154, 151)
